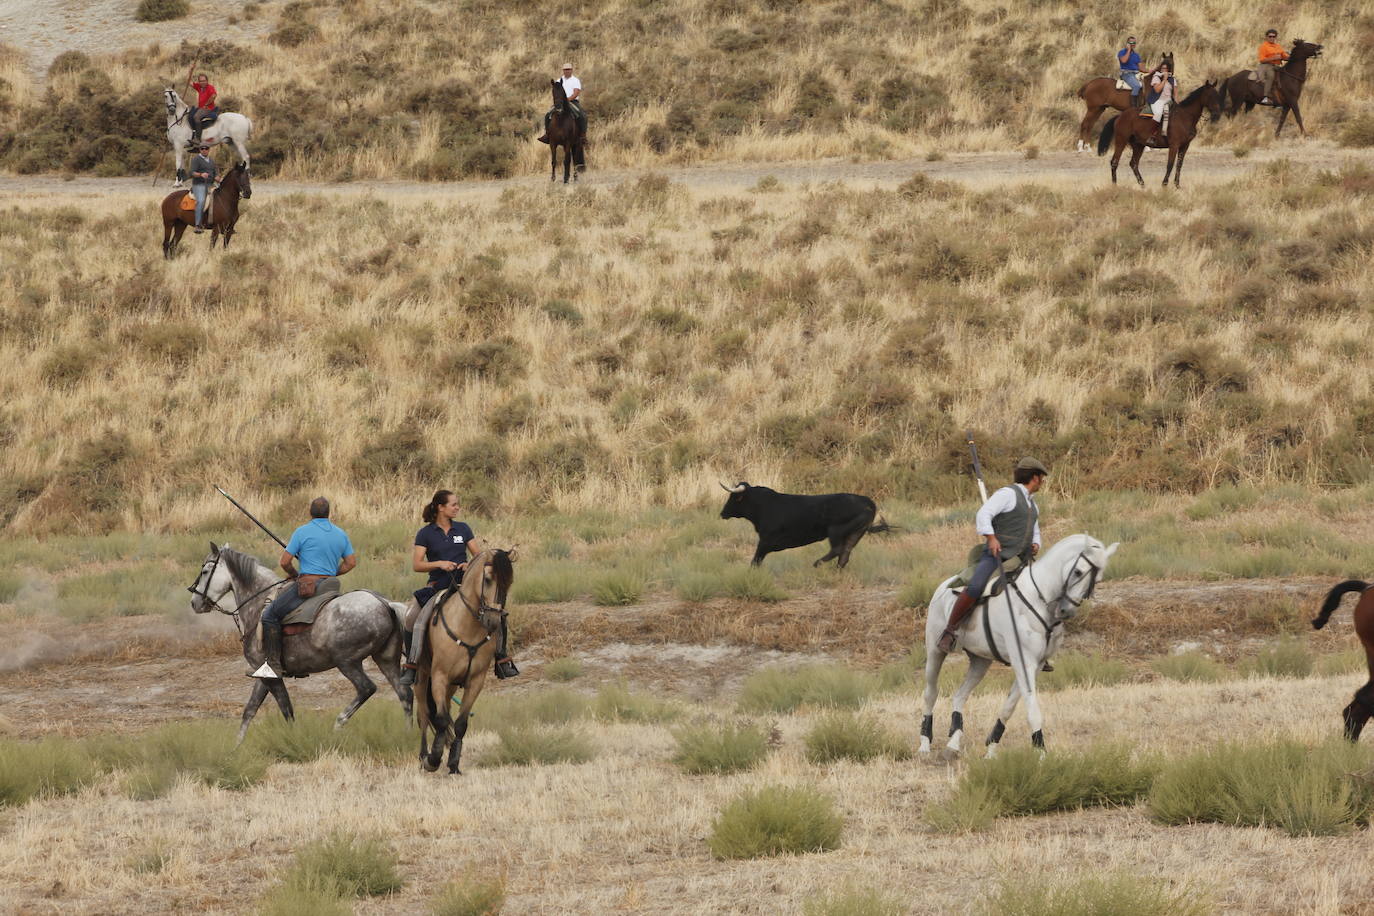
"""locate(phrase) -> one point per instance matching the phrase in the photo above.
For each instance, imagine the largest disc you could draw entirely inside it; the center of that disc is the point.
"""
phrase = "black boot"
(505, 668)
(545, 137)
(271, 652)
(962, 605)
(407, 669)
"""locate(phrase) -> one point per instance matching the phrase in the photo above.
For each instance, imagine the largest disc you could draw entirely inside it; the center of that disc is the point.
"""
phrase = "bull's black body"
(783, 520)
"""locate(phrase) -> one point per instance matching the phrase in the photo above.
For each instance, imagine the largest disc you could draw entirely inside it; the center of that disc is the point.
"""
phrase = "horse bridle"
(215, 602)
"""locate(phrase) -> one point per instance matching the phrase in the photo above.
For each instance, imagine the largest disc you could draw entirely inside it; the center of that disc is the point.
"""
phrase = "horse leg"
(1297, 116)
(1025, 679)
(1283, 116)
(567, 162)
(1008, 707)
(1085, 129)
(1137, 150)
(935, 659)
(1169, 165)
(439, 695)
(977, 667)
(251, 709)
(1178, 172)
(353, 670)
(388, 661)
(422, 716)
(471, 691)
(1116, 155)
(166, 239)
(278, 688)
(553, 161)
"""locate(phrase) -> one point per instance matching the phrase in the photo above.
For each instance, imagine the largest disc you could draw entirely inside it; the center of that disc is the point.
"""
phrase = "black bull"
(784, 520)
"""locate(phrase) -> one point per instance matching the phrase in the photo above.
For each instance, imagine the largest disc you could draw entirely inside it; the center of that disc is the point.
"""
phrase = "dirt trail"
(135, 672)
(1204, 166)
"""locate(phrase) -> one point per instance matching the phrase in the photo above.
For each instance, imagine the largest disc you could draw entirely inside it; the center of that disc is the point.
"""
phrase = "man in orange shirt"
(1271, 55)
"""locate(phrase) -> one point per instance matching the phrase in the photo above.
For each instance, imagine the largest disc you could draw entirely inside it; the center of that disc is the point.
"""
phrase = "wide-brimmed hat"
(567, 66)
(1030, 464)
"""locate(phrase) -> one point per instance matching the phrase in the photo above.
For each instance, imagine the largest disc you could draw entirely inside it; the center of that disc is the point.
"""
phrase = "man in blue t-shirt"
(324, 550)
(1130, 69)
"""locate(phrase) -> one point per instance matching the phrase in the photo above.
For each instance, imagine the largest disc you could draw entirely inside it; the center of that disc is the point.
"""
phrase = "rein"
(215, 602)
(483, 608)
(1048, 626)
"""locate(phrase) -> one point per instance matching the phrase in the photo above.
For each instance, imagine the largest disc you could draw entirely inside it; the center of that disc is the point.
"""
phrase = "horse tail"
(1108, 131)
(1333, 600)
(1221, 92)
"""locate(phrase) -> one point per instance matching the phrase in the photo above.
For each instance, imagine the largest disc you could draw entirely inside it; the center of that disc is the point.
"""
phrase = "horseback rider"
(204, 112)
(1271, 57)
(572, 88)
(1009, 522)
(1130, 70)
(324, 550)
(203, 172)
(442, 549)
(1163, 88)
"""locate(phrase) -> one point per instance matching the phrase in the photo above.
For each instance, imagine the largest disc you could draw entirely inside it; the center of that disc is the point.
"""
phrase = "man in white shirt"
(1010, 523)
(572, 88)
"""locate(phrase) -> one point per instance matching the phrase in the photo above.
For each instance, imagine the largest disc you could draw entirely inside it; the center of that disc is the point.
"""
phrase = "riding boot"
(1046, 666)
(504, 666)
(962, 605)
(407, 669)
(545, 137)
(272, 667)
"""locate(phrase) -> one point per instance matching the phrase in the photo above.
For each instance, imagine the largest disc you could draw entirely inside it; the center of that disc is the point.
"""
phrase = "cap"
(1030, 464)
(567, 66)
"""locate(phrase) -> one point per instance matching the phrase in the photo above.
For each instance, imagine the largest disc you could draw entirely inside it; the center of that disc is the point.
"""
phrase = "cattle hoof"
(428, 766)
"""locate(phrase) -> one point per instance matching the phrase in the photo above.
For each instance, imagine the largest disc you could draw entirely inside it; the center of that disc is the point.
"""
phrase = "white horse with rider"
(230, 127)
(1021, 626)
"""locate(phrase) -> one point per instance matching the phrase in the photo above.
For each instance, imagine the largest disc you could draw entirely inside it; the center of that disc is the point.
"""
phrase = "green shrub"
(1224, 500)
(1351, 661)
(918, 592)
(395, 453)
(304, 897)
(1076, 669)
(698, 586)
(1304, 791)
(971, 809)
(854, 901)
(845, 736)
(354, 866)
(532, 745)
(1188, 666)
(161, 10)
(785, 689)
(150, 859)
(750, 583)
(720, 749)
(903, 673)
(52, 766)
(776, 820)
(1020, 782)
(470, 897)
(618, 588)
(1286, 658)
(615, 703)
(1094, 895)
(563, 669)
(551, 582)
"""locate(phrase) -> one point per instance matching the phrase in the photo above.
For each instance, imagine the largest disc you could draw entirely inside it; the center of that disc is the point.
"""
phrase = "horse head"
(1081, 561)
(173, 102)
(213, 582)
(560, 97)
(245, 178)
(1306, 48)
(1211, 99)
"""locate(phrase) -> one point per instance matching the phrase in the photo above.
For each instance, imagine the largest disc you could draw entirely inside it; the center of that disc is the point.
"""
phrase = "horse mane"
(245, 567)
(1193, 96)
(504, 572)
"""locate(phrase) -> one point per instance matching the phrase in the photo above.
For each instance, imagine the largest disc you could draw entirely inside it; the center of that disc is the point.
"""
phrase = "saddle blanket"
(188, 202)
(325, 592)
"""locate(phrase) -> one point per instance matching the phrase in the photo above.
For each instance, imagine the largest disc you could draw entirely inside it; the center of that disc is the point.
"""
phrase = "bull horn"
(725, 488)
(741, 488)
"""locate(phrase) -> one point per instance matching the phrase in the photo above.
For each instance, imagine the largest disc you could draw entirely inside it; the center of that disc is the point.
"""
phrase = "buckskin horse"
(1138, 130)
(223, 206)
(562, 132)
(1362, 704)
(1019, 627)
(465, 632)
(1288, 83)
(1101, 93)
(354, 626)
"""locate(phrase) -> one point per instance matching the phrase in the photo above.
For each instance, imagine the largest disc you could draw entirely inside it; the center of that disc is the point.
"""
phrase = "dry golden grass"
(627, 830)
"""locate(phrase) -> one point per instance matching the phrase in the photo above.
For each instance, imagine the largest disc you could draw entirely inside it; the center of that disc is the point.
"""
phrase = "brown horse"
(1362, 705)
(1141, 131)
(562, 131)
(1288, 83)
(466, 631)
(1101, 93)
(224, 214)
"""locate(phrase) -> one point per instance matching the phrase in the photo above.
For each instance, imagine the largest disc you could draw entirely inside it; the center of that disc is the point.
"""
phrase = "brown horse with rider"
(223, 210)
(1141, 131)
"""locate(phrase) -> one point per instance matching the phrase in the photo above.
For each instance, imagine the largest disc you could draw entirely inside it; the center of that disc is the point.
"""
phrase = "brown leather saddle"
(304, 615)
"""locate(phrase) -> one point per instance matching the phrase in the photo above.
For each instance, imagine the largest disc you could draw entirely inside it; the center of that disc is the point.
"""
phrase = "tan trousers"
(1267, 73)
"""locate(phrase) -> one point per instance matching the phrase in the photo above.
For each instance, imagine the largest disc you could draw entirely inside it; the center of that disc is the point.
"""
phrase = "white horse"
(230, 127)
(1020, 627)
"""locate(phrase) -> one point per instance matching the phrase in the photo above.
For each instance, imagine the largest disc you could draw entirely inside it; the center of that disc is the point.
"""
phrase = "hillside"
(350, 89)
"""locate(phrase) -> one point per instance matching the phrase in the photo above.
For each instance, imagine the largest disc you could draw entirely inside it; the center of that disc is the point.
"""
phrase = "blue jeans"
(1132, 79)
(199, 190)
(987, 566)
(289, 599)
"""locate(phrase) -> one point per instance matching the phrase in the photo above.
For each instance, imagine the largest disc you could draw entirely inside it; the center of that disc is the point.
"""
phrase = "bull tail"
(883, 527)
(1333, 600)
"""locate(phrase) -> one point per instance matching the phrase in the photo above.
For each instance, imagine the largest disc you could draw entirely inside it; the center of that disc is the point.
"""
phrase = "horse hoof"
(951, 754)
(454, 771)
(427, 766)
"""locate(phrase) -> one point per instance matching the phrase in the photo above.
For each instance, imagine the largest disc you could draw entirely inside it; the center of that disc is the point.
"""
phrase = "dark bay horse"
(465, 632)
(224, 213)
(1362, 705)
(355, 626)
(1288, 83)
(563, 132)
(1138, 130)
(1101, 93)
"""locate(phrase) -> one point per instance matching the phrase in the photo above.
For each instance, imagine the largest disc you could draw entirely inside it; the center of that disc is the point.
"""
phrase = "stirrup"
(265, 671)
(505, 668)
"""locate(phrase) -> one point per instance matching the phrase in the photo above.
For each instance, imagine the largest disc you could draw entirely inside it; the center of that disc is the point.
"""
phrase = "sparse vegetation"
(776, 820)
(563, 669)
(469, 897)
(1188, 666)
(1122, 894)
(785, 689)
(540, 745)
(846, 736)
(161, 10)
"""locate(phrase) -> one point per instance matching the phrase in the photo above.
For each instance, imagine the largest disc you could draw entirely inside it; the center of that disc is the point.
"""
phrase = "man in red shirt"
(204, 113)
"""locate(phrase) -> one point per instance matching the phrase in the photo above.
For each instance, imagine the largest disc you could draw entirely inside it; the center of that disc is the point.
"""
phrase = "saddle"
(304, 616)
(1122, 84)
(1010, 570)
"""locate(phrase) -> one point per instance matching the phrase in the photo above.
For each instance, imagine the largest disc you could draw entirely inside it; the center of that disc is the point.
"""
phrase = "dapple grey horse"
(350, 628)
(1019, 627)
(230, 127)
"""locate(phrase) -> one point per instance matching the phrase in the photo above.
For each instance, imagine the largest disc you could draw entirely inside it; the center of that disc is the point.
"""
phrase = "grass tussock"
(1078, 669)
(352, 865)
(469, 897)
(1189, 666)
(617, 703)
(1286, 658)
(852, 900)
(46, 768)
(1021, 782)
(540, 745)
(563, 669)
(782, 690)
(1121, 894)
(846, 736)
(776, 820)
(1301, 790)
(719, 749)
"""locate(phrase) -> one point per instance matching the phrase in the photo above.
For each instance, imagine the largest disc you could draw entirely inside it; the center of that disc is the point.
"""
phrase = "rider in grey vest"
(1010, 523)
